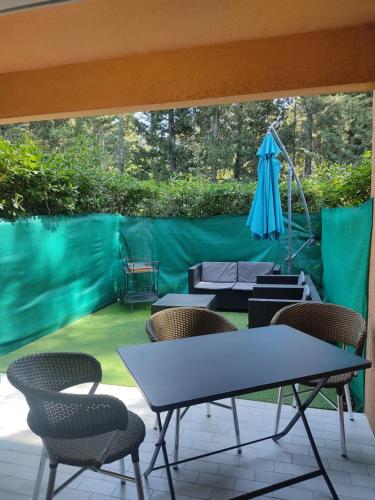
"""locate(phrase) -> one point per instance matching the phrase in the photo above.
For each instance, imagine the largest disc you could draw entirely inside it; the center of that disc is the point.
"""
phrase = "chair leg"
(138, 476)
(294, 403)
(348, 401)
(122, 469)
(51, 481)
(40, 473)
(340, 409)
(278, 412)
(208, 408)
(236, 426)
(156, 423)
(176, 437)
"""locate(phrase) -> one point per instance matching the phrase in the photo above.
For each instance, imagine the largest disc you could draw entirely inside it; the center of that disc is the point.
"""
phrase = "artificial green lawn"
(101, 333)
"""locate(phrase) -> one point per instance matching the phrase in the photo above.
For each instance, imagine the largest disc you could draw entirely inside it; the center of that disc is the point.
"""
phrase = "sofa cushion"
(243, 286)
(212, 285)
(248, 271)
(219, 272)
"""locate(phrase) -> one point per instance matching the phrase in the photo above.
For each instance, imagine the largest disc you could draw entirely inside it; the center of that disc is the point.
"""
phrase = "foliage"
(32, 183)
(213, 142)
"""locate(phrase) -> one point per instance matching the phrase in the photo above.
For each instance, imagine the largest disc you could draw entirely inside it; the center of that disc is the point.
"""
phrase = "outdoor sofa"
(231, 282)
(272, 293)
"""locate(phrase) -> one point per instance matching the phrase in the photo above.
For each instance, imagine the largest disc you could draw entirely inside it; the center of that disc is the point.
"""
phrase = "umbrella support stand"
(292, 172)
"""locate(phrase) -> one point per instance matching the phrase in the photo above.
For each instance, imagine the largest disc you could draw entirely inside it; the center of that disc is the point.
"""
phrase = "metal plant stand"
(141, 281)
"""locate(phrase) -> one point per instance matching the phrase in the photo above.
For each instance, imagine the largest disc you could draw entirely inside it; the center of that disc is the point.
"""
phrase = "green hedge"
(33, 184)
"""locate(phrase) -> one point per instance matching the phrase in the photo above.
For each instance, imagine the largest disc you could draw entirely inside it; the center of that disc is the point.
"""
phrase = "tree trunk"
(294, 132)
(78, 128)
(121, 143)
(309, 138)
(172, 141)
(215, 142)
(238, 159)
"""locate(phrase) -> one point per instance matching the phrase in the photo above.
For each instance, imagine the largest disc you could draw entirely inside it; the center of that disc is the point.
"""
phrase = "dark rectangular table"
(184, 300)
(179, 373)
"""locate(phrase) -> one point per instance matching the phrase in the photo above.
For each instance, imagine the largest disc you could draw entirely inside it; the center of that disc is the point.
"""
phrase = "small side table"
(184, 300)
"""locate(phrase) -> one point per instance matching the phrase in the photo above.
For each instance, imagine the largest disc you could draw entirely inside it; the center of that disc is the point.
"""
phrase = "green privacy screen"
(53, 270)
(182, 242)
(346, 237)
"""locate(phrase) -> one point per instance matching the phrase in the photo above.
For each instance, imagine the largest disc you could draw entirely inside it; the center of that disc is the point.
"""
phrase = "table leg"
(305, 405)
(160, 445)
(301, 411)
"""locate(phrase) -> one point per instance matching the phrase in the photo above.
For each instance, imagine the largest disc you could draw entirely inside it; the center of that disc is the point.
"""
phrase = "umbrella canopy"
(265, 218)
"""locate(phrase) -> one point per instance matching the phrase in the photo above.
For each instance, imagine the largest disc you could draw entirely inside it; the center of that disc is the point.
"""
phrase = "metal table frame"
(301, 408)
(152, 351)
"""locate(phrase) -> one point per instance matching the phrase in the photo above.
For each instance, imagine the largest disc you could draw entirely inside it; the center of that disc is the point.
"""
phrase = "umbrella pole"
(289, 258)
(292, 171)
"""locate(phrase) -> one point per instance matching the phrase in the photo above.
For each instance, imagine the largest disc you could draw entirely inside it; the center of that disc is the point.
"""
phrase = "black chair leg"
(51, 481)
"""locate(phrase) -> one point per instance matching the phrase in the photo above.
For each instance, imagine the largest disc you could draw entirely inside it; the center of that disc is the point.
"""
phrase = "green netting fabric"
(182, 242)
(346, 238)
(53, 270)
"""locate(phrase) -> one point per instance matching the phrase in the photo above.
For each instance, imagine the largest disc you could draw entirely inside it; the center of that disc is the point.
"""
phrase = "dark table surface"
(188, 299)
(177, 373)
(184, 299)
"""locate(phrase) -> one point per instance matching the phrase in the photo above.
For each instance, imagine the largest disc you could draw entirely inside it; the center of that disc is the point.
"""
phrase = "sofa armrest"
(275, 292)
(194, 276)
(277, 279)
(276, 269)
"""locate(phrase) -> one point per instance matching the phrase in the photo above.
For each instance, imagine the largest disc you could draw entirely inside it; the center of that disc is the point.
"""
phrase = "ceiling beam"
(318, 62)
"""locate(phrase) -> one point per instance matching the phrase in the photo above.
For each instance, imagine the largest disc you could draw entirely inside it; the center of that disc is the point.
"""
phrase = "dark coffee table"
(184, 300)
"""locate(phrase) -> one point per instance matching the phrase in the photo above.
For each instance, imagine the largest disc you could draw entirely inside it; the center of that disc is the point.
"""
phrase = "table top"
(178, 373)
(185, 299)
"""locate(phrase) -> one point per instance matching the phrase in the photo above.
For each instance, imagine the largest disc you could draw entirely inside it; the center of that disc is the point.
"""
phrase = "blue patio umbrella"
(265, 218)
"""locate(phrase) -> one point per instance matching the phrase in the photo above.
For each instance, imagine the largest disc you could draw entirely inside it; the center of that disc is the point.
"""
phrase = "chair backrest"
(54, 414)
(53, 371)
(181, 322)
(328, 322)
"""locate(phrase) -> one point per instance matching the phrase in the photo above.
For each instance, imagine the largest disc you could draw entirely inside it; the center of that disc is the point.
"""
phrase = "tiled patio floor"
(217, 477)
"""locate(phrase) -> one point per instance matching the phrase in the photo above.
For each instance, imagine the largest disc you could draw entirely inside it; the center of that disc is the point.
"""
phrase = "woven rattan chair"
(182, 322)
(334, 324)
(83, 430)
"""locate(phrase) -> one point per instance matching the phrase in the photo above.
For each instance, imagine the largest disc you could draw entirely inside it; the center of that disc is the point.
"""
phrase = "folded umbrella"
(265, 218)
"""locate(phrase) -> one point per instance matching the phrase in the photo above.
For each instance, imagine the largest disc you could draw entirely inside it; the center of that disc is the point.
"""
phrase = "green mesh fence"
(53, 270)
(346, 238)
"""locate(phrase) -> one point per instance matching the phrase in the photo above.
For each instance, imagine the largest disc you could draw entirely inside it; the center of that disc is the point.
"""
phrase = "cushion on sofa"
(243, 286)
(219, 272)
(212, 285)
(248, 271)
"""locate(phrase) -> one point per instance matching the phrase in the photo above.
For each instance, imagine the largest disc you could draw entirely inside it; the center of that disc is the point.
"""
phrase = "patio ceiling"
(95, 56)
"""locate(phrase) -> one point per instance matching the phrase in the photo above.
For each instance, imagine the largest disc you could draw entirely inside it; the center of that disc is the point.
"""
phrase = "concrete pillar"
(370, 374)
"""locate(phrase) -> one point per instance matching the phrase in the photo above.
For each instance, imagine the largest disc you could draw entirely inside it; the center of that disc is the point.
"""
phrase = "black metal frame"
(128, 289)
(301, 408)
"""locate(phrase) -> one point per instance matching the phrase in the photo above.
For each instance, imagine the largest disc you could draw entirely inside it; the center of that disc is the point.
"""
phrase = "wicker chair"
(84, 430)
(182, 322)
(334, 324)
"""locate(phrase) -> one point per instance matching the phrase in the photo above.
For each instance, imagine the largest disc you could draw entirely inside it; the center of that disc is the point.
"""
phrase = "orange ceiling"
(89, 30)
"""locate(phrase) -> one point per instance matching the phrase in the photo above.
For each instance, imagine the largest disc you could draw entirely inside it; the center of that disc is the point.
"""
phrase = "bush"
(33, 184)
